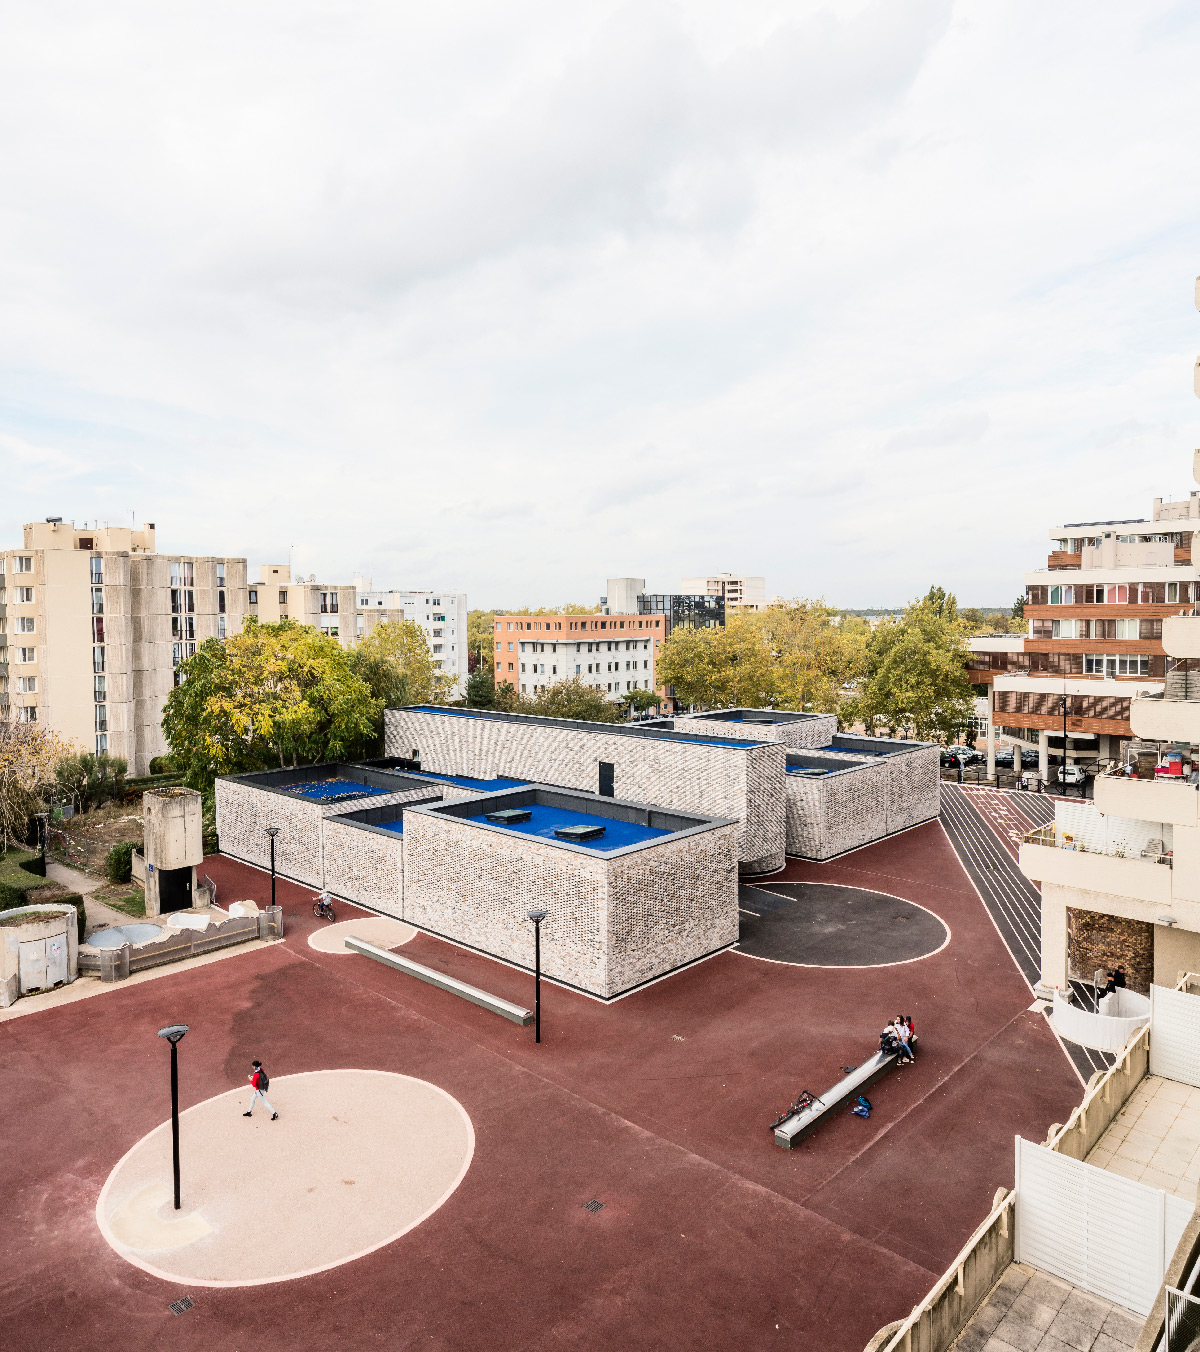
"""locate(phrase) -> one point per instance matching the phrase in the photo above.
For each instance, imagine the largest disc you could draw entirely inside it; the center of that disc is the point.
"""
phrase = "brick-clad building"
(1093, 641)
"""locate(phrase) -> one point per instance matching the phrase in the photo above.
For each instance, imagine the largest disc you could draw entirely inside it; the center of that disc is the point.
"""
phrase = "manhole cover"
(181, 1306)
(593, 1206)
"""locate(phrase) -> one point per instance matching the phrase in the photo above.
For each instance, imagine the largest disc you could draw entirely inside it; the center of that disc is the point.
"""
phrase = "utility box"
(174, 844)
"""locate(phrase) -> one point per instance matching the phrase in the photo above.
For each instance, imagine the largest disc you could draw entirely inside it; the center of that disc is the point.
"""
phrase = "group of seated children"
(899, 1036)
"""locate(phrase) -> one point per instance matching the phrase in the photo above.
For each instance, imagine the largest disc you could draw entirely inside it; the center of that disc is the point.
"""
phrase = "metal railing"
(1048, 837)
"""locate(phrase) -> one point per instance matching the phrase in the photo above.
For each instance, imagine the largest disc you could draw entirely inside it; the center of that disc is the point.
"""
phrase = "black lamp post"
(537, 917)
(272, 831)
(174, 1035)
(1063, 772)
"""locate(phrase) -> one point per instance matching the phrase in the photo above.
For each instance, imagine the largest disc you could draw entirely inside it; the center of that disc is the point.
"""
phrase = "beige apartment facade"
(738, 590)
(94, 624)
(327, 606)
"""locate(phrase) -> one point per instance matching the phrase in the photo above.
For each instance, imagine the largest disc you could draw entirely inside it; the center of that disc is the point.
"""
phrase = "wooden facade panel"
(1113, 727)
(1106, 612)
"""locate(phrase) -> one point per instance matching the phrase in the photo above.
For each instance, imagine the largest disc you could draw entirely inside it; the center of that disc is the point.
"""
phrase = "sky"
(511, 299)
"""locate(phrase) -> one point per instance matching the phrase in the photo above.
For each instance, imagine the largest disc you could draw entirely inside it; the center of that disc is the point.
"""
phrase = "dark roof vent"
(509, 816)
(581, 832)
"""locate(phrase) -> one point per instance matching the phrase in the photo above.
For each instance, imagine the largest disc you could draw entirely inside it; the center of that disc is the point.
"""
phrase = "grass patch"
(123, 897)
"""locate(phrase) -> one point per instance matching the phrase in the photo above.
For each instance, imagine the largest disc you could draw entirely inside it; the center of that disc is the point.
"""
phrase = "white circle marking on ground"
(375, 929)
(356, 1160)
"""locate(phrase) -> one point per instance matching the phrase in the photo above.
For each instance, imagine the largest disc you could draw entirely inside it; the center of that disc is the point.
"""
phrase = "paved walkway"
(1030, 1311)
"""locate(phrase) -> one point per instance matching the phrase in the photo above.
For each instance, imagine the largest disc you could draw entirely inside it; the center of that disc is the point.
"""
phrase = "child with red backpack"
(261, 1082)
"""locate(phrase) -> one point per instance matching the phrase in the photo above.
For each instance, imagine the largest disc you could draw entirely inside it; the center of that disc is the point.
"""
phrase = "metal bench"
(793, 1129)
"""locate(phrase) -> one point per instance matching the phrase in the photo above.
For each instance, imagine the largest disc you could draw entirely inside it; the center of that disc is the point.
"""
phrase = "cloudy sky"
(859, 296)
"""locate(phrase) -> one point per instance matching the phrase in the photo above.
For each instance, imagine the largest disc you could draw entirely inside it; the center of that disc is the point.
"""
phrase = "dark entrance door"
(174, 889)
(607, 772)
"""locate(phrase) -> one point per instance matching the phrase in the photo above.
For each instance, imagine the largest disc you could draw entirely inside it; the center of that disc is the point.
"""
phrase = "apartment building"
(441, 614)
(327, 606)
(628, 596)
(1095, 617)
(614, 653)
(94, 624)
(736, 590)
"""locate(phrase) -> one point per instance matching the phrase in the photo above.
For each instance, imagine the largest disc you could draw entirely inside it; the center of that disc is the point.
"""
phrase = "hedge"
(21, 874)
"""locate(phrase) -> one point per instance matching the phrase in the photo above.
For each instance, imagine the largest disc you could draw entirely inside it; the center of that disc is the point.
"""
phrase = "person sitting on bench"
(903, 1038)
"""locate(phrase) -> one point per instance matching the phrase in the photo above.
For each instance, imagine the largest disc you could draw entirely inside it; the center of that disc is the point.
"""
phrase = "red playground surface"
(710, 1236)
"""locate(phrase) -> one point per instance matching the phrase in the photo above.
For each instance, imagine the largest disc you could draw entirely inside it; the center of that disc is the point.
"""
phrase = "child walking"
(261, 1082)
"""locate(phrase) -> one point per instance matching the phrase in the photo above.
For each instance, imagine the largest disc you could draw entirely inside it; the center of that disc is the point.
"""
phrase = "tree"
(481, 640)
(720, 667)
(640, 701)
(916, 677)
(572, 699)
(481, 688)
(397, 667)
(815, 654)
(1018, 610)
(29, 754)
(89, 780)
(269, 695)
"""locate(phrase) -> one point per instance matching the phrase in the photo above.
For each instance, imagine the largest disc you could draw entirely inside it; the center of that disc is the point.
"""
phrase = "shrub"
(118, 865)
(162, 765)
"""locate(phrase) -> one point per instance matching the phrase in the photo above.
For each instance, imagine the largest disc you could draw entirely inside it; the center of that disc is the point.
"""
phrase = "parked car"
(1004, 756)
(960, 755)
(1072, 774)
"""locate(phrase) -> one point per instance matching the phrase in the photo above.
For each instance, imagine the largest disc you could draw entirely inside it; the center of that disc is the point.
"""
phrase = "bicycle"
(323, 907)
(803, 1100)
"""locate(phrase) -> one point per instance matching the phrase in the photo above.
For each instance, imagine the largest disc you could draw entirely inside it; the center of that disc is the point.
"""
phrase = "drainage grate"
(181, 1306)
(593, 1206)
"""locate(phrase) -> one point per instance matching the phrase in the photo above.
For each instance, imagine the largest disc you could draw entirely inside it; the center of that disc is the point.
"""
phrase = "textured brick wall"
(244, 812)
(611, 923)
(1110, 941)
(363, 865)
(881, 795)
(745, 784)
(798, 736)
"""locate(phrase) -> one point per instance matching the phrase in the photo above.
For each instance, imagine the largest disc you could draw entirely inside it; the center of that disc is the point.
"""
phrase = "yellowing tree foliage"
(29, 756)
(395, 662)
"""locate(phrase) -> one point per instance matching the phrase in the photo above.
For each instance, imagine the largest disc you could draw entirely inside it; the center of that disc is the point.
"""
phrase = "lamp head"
(173, 1032)
(272, 831)
(537, 916)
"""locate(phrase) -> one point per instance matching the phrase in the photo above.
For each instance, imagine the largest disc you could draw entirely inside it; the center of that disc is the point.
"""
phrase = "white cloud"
(860, 297)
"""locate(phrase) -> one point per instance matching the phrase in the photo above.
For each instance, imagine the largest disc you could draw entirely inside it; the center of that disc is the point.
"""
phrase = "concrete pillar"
(1044, 755)
(1054, 943)
(991, 734)
(1017, 761)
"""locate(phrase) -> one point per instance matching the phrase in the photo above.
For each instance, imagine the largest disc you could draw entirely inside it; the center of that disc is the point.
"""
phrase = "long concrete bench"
(793, 1129)
(484, 999)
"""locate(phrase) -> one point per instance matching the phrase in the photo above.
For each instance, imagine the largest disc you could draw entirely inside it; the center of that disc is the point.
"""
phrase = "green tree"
(816, 653)
(640, 701)
(725, 667)
(89, 780)
(397, 667)
(481, 638)
(481, 688)
(573, 699)
(1018, 610)
(270, 695)
(506, 698)
(916, 677)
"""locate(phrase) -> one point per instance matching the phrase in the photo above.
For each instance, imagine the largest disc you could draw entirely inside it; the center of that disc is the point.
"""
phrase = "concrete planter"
(38, 953)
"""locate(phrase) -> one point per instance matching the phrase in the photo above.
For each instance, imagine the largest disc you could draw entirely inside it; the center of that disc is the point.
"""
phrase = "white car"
(1072, 774)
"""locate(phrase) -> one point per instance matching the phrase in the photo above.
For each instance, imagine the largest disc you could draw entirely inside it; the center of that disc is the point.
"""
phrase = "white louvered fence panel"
(1109, 1235)
(1175, 1035)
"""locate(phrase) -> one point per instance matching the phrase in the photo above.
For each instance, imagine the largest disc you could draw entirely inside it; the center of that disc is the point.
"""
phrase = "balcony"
(1059, 560)
(1154, 800)
(1181, 635)
(1046, 858)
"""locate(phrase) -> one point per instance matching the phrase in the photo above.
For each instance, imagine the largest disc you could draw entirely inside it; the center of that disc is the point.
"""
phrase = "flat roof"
(753, 716)
(470, 782)
(628, 826)
(329, 781)
(581, 725)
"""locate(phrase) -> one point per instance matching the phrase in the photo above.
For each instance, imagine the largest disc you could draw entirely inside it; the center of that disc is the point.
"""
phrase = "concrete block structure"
(173, 846)
(795, 730)
(737, 778)
(859, 791)
(364, 856)
(297, 801)
(656, 890)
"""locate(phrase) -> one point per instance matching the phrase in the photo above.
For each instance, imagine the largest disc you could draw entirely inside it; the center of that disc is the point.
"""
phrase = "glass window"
(220, 603)
(97, 628)
(27, 713)
(220, 574)
(25, 624)
(97, 659)
(101, 742)
(99, 689)
(97, 600)
(1172, 592)
(282, 597)
(220, 626)
(97, 570)
(22, 564)
(101, 717)
(253, 597)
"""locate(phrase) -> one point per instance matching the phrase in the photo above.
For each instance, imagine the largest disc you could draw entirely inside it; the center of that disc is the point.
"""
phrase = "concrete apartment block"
(248, 804)
(615, 919)
(795, 730)
(721, 776)
(838, 802)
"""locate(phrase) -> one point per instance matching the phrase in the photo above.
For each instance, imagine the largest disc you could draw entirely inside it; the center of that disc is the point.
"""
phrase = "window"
(97, 659)
(24, 596)
(25, 624)
(220, 603)
(510, 647)
(220, 574)
(522, 668)
(182, 574)
(26, 655)
(99, 689)
(97, 570)
(183, 626)
(220, 626)
(101, 742)
(97, 600)
(253, 597)
(1126, 629)
(26, 685)
(510, 666)
(22, 564)
(101, 717)
(437, 633)
(97, 628)
(439, 619)
(1062, 596)
(576, 668)
(27, 713)
(329, 603)
(1172, 592)
(437, 647)
(1116, 595)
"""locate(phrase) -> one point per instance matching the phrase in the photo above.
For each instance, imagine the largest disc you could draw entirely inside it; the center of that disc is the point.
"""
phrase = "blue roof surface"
(326, 790)
(544, 821)
(468, 782)
(397, 827)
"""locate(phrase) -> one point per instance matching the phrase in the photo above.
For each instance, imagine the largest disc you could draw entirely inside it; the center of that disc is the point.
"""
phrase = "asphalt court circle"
(829, 925)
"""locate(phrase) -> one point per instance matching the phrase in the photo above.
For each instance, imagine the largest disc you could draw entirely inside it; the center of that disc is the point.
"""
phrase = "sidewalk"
(98, 915)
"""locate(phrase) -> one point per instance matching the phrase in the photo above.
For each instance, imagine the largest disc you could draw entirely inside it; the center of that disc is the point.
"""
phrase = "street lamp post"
(537, 917)
(1063, 771)
(272, 832)
(174, 1034)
